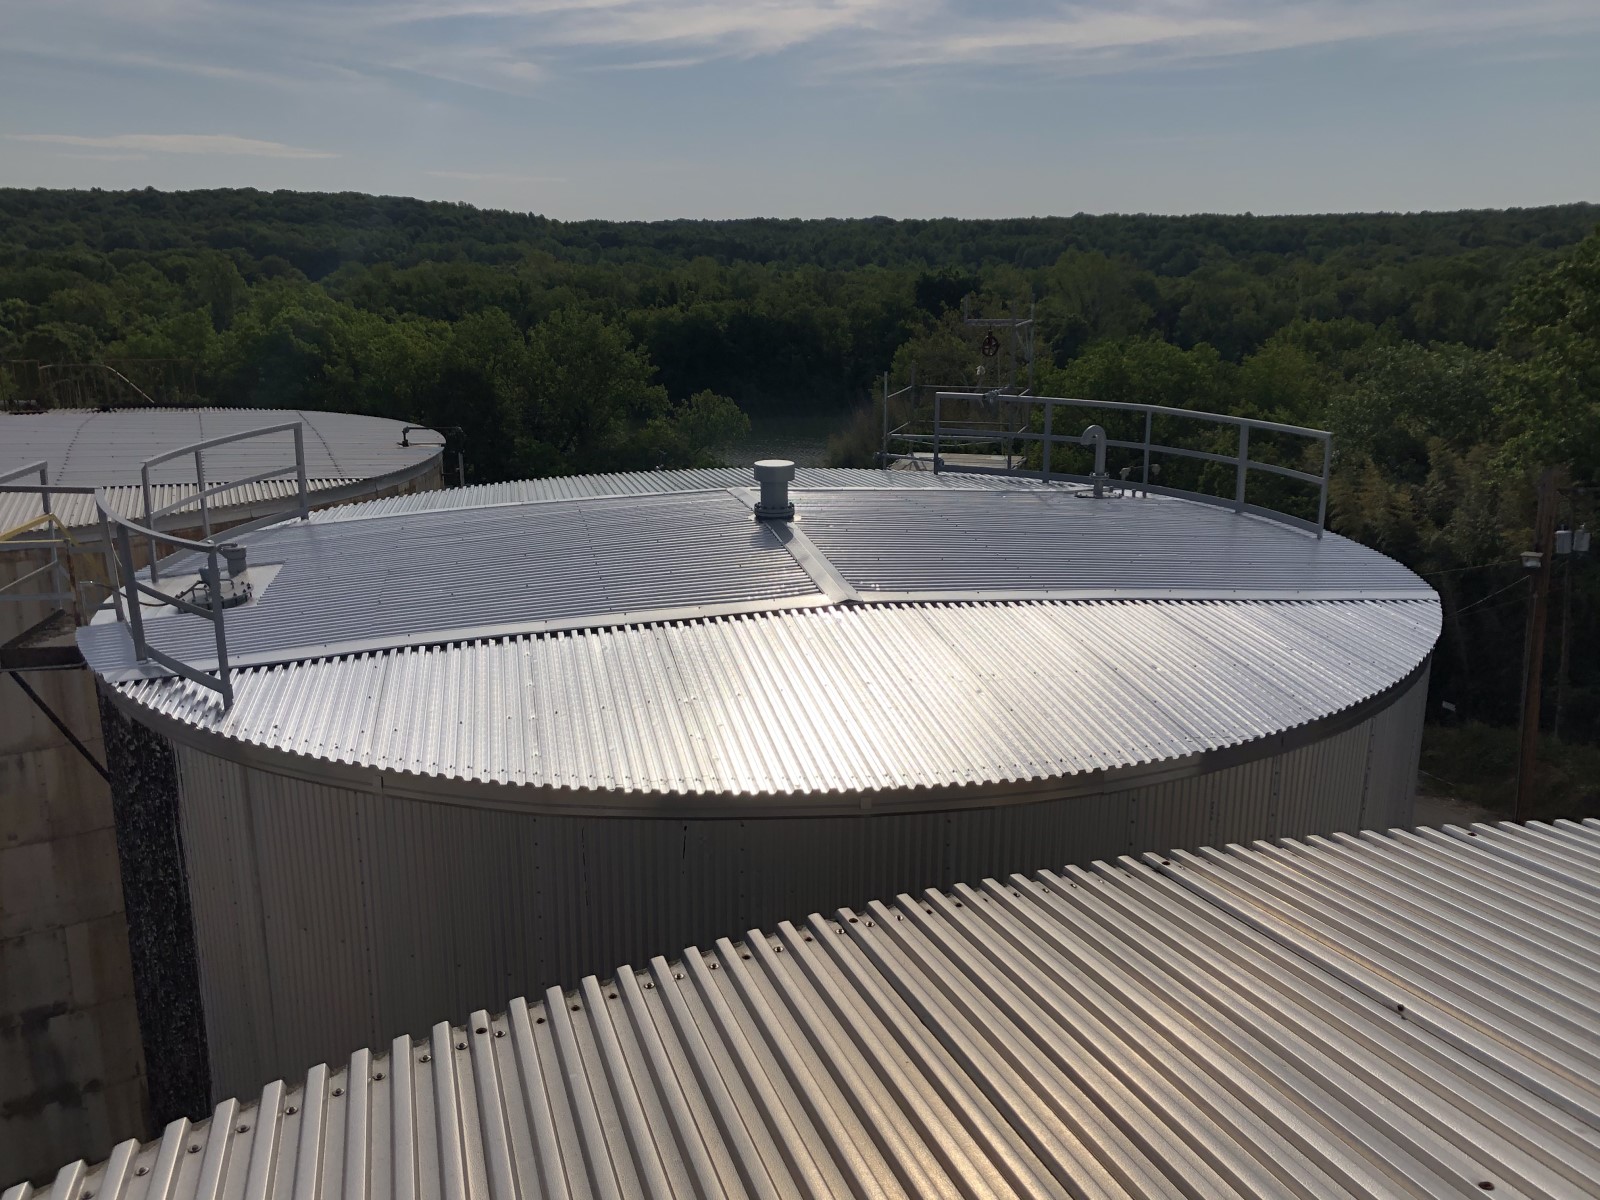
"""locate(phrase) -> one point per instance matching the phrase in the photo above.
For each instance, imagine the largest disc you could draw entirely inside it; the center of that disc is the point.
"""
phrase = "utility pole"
(1533, 663)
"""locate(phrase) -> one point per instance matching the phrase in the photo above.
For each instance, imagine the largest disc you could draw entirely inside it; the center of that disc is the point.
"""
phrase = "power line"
(1491, 595)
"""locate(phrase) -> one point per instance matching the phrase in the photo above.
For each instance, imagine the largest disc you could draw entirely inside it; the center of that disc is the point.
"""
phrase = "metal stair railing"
(67, 589)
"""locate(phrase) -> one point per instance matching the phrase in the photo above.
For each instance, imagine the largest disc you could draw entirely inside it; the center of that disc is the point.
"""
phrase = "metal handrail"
(204, 493)
(1241, 461)
(134, 587)
(68, 588)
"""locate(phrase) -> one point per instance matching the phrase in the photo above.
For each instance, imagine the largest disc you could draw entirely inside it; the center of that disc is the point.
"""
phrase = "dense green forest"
(1453, 354)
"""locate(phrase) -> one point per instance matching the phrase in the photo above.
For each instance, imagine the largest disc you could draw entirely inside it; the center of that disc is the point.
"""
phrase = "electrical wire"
(1492, 595)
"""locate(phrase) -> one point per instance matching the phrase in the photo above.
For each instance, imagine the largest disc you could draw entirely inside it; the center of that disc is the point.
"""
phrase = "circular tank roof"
(641, 644)
(345, 453)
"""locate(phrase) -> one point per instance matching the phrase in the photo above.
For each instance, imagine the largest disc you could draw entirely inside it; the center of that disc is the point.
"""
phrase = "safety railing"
(134, 589)
(204, 492)
(59, 580)
(943, 436)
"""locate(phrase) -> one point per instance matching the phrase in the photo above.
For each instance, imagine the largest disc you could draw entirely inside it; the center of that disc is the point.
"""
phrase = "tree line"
(1453, 354)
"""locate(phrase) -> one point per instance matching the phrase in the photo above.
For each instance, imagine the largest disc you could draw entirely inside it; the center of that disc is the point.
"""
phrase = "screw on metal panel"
(461, 1045)
(195, 1149)
(577, 1007)
(713, 966)
(744, 956)
(1401, 1009)
(483, 1029)
(426, 1058)
(539, 1021)
(809, 938)
(142, 1171)
(290, 1111)
(241, 1129)
(338, 1091)
(499, 1033)
(679, 974)
(611, 995)
(648, 986)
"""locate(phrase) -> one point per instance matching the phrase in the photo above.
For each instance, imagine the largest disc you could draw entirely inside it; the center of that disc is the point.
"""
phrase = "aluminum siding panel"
(1378, 1017)
(434, 907)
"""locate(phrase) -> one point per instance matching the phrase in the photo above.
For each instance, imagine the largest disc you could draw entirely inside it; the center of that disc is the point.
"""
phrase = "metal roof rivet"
(241, 1129)
(499, 1033)
(338, 1091)
(142, 1171)
(195, 1149)
(648, 986)
(483, 1029)
(290, 1111)
(1401, 1009)
(426, 1058)
(744, 956)
(539, 1021)
(713, 967)
(461, 1045)
(611, 995)
(677, 974)
(809, 938)
(378, 1078)
(958, 904)
(576, 1007)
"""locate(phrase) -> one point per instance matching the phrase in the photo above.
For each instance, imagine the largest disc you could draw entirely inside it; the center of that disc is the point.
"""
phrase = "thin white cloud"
(497, 177)
(175, 143)
(519, 46)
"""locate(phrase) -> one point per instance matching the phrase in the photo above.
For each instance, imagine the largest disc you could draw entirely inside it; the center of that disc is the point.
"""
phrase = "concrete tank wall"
(326, 918)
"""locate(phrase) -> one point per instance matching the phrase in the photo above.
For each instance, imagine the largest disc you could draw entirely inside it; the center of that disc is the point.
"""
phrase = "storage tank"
(70, 1070)
(503, 737)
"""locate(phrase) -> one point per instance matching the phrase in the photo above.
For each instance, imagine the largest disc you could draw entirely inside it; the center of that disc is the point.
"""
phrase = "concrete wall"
(327, 918)
(71, 1070)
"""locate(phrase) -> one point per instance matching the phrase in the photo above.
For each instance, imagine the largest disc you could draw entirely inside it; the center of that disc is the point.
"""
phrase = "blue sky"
(721, 108)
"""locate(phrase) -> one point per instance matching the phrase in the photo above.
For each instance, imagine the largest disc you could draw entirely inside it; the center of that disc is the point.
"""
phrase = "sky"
(647, 109)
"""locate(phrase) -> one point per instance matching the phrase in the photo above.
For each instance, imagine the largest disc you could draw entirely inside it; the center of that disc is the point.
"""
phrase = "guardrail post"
(300, 471)
(214, 582)
(1241, 469)
(1148, 420)
(130, 581)
(1327, 470)
(149, 519)
(200, 482)
(113, 570)
(1049, 413)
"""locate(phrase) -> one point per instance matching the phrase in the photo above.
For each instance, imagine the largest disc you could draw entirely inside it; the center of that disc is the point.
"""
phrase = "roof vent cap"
(774, 474)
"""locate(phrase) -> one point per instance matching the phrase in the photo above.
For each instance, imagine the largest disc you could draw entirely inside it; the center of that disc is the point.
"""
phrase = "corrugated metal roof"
(428, 576)
(637, 483)
(106, 449)
(498, 570)
(831, 700)
(1393, 1015)
(921, 543)
(80, 511)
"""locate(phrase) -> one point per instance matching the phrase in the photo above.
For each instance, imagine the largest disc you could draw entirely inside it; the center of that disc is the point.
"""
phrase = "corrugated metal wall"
(430, 909)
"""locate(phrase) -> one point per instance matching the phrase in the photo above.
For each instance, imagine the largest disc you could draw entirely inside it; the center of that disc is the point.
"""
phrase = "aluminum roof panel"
(832, 700)
(101, 449)
(106, 449)
(921, 542)
(461, 574)
(1376, 1016)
